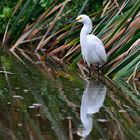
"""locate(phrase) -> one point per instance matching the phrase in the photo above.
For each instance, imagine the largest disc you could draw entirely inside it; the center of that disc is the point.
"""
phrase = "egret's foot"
(94, 70)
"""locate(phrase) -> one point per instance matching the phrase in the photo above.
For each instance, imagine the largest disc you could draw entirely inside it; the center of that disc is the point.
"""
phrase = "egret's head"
(83, 19)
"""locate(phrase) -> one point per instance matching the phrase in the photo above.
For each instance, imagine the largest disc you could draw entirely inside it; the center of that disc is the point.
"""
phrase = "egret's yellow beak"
(78, 19)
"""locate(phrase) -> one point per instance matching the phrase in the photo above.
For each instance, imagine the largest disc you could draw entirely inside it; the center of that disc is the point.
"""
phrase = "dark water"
(34, 107)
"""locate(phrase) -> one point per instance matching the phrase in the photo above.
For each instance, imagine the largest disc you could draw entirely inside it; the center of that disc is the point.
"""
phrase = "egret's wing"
(98, 46)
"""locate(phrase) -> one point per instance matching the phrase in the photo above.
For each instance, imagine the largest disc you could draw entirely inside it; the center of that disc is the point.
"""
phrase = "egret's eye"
(79, 18)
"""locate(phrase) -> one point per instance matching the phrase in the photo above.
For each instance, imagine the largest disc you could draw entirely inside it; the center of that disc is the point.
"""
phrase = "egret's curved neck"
(87, 28)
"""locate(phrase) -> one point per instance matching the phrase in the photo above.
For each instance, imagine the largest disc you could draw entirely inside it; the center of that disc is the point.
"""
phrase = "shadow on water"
(34, 107)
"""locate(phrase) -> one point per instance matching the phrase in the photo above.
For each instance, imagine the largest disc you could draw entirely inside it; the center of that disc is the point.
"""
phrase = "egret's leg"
(89, 69)
(98, 69)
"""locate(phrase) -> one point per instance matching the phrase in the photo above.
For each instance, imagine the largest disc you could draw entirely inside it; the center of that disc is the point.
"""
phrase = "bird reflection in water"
(92, 100)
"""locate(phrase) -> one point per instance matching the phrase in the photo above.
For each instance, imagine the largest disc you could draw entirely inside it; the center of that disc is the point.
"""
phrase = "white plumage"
(92, 48)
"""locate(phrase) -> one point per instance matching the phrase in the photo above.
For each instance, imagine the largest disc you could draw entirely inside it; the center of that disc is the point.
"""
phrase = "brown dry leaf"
(73, 49)
(20, 40)
(52, 25)
(132, 28)
(26, 56)
(58, 49)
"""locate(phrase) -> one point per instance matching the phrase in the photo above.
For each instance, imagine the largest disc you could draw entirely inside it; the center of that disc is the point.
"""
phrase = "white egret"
(92, 48)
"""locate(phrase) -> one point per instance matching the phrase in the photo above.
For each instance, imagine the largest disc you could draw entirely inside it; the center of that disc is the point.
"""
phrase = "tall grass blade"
(132, 12)
(24, 8)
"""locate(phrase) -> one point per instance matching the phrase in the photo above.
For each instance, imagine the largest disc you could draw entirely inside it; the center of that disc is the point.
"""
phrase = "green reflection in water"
(35, 107)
